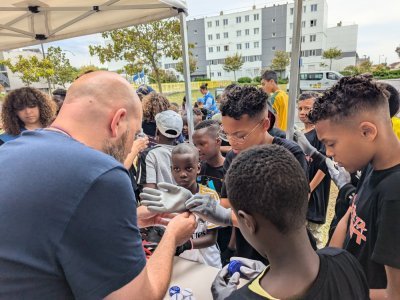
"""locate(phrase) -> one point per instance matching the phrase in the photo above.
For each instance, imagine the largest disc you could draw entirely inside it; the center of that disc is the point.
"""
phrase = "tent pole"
(48, 80)
(186, 73)
(294, 66)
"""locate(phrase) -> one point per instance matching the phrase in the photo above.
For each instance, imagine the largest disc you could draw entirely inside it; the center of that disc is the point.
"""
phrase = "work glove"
(338, 174)
(250, 268)
(209, 209)
(223, 285)
(304, 144)
(169, 198)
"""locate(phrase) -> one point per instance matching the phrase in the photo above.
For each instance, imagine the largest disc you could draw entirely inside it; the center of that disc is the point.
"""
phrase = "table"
(198, 277)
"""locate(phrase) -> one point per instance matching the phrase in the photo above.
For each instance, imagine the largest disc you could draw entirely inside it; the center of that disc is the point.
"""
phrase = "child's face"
(185, 169)
(29, 115)
(208, 147)
(304, 107)
(185, 128)
(350, 143)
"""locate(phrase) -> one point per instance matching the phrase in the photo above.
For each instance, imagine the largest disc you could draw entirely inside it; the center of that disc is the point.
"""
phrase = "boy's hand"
(181, 228)
(338, 174)
(222, 286)
(250, 269)
(210, 210)
(169, 198)
(304, 144)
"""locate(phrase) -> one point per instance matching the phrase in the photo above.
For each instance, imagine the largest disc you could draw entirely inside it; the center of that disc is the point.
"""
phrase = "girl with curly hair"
(25, 109)
(153, 104)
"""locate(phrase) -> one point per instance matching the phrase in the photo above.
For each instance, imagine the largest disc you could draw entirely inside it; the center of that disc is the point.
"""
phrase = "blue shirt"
(210, 104)
(68, 220)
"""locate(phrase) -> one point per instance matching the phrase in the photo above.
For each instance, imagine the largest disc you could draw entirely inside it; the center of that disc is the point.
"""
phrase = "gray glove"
(222, 286)
(210, 210)
(169, 198)
(304, 144)
(338, 174)
(250, 269)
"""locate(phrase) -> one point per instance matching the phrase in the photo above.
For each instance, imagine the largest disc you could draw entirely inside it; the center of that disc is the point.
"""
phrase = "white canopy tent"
(32, 22)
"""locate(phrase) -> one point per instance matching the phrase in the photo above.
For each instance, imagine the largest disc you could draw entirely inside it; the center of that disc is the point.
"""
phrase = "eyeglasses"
(235, 139)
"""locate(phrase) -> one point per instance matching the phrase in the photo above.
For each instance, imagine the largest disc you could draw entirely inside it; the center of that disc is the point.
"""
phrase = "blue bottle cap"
(174, 290)
(234, 266)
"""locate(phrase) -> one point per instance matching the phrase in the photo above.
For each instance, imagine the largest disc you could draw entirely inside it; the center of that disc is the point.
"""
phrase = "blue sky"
(378, 31)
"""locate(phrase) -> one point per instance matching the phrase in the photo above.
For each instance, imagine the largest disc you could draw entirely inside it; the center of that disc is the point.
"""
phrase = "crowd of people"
(101, 188)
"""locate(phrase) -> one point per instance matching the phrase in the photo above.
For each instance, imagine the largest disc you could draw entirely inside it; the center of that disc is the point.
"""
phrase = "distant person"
(279, 99)
(58, 97)
(273, 221)
(144, 90)
(208, 101)
(25, 109)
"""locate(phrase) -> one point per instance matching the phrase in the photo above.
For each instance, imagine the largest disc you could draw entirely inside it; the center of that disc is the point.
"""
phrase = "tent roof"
(31, 22)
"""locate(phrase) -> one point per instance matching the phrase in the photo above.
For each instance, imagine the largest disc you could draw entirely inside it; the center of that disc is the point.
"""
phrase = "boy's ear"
(266, 123)
(198, 168)
(248, 220)
(218, 141)
(368, 130)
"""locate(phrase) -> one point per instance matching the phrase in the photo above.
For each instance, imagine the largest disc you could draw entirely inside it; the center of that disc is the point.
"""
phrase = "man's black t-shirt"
(340, 276)
(211, 177)
(244, 249)
(373, 235)
(319, 198)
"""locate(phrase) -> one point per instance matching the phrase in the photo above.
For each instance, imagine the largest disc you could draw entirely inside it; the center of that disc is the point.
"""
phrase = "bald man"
(69, 223)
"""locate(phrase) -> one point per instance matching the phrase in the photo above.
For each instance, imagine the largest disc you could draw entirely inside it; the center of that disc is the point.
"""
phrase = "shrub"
(244, 80)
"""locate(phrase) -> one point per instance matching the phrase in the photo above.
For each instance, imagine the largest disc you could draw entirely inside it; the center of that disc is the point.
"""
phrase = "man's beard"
(117, 150)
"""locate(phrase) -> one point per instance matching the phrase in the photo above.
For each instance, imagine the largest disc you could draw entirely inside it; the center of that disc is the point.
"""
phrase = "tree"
(233, 63)
(365, 67)
(63, 71)
(398, 51)
(87, 68)
(331, 54)
(30, 69)
(145, 42)
(280, 61)
(192, 65)
(163, 75)
(351, 70)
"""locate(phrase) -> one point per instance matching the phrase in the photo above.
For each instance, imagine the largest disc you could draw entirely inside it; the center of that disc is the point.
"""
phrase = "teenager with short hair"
(279, 99)
(352, 119)
(273, 221)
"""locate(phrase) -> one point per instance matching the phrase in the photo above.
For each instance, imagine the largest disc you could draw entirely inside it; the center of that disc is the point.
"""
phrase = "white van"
(317, 80)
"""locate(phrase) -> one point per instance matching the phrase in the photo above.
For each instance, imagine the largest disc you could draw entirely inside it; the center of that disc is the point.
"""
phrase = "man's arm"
(153, 281)
(339, 235)
(393, 286)
(319, 176)
(207, 240)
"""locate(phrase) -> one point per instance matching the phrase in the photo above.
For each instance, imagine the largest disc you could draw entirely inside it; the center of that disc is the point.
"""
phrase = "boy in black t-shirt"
(273, 221)
(320, 181)
(208, 142)
(352, 120)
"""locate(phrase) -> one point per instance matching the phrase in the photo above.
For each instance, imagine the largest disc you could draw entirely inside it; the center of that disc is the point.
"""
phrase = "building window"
(273, 34)
(195, 31)
(210, 49)
(218, 48)
(273, 48)
(238, 33)
(219, 74)
(291, 11)
(303, 24)
(313, 23)
(313, 7)
(312, 52)
(226, 48)
(247, 32)
(239, 46)
(238, 19)
(290, 40)
(217, 36)
(225, 35)
(303, 39)
(216, 22)
(247, 45)
(210, 37)
(247, 18)
(212, 74)
(313, 37)
(256, 17)
(256, 44)
(195, 44)
(291, 25)
(209, 24)
(304, 9)
(256, 30)
(273, 20)
(225, 21)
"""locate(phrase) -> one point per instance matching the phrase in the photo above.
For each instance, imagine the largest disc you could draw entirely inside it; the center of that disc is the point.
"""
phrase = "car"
(317, 80)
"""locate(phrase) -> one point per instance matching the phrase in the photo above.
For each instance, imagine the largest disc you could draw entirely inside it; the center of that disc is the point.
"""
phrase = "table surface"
(195, 276)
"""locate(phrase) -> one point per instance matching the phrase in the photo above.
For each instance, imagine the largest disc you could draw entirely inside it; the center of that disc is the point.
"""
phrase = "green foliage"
(201, 79)
(192, 65)
(350, 70)
(280, 61)
(365, 67)
(257, 79)
(30, 69)
(283, 80)
(144, 42)
(84, 69)
(233, 63)
(331, 53)
(63, 71)
(244, 80)
(163, 76)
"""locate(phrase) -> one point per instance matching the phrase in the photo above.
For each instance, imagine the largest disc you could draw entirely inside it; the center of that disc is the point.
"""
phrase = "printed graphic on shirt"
(357, 225)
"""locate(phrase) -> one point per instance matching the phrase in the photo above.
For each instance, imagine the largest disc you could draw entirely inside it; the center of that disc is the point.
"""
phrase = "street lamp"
(379, 60)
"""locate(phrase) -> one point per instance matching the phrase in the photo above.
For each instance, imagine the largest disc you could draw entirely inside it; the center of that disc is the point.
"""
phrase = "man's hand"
(208, 209)
(304, 144)
(168, 198)
(338, 174)
(146, 218)
(222, 286)
(181, 228)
